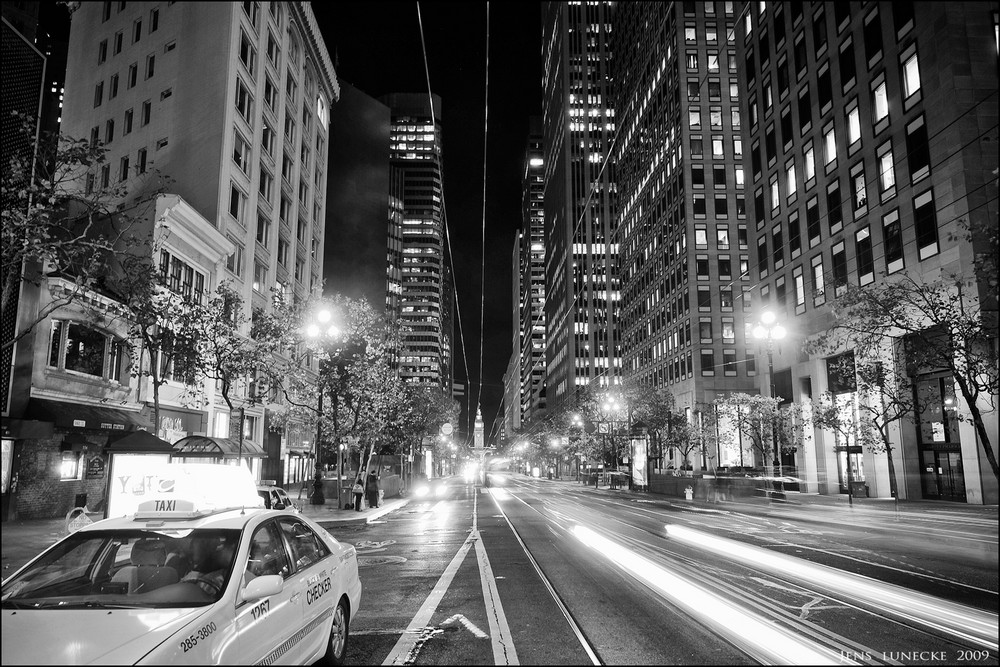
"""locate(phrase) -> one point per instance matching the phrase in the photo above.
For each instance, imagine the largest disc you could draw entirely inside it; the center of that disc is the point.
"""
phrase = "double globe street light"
(322, 331)
(768, 329)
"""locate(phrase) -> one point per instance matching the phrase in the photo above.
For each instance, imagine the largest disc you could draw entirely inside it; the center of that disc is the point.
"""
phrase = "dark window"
(783, 78)
(925, 224)
(848, 69)
(707, 362)
(751, 68)
(819, 31)
(812, 222)
(873, 38)
(917, 150)
(705, 298)
(825, 89)
(835, 212)
(762, 264)
(697, 176)
(839, 269)
(902, 15)
(805, 109)
(794, 234)
(801, 59)
(755, 161)
(770, 146)
(779, 247)
(786, 126)
(841, 12)
(721, 206)
(863, 252)
(893, 238)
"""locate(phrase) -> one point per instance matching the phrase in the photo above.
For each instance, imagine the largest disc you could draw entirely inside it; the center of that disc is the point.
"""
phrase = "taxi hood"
(88, 636)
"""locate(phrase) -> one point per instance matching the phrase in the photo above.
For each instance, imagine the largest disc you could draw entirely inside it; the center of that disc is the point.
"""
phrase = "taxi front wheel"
(336, 647)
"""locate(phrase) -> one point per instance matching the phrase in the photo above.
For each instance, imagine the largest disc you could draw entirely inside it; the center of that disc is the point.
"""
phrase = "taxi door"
(315, 572)
(269, 630)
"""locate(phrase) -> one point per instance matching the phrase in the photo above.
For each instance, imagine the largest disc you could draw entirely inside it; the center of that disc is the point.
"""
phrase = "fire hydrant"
(688, 493)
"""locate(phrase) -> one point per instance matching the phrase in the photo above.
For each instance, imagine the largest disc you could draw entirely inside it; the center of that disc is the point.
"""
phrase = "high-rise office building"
(871, 135)
(682, 229)
(530, 270)
(426, 288)
(581, 300)
(220, 112)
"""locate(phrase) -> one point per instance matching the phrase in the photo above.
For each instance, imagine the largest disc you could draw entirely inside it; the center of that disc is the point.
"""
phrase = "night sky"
(376, 48)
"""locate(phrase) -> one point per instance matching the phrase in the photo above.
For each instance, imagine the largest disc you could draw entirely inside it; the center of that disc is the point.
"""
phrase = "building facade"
(684, 244)
(215, 118)
(871, 137)
(529, 317)
(426, 292)
(581, 246)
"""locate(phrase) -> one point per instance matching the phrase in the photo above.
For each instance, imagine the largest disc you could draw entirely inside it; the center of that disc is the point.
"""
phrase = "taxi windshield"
(132, 568)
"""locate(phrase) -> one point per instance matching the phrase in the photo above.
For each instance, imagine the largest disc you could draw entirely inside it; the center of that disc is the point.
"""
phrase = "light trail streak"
(973, 625)
(759, 638)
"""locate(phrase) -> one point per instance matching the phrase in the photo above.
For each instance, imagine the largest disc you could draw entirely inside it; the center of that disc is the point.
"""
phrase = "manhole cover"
(368, 561)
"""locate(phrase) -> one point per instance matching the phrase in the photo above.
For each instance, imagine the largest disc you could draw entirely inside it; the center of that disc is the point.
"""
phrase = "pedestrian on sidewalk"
(371, 490)
(359, 494)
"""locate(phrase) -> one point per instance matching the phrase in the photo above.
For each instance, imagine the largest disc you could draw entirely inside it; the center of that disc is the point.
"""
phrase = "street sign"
(447, 428)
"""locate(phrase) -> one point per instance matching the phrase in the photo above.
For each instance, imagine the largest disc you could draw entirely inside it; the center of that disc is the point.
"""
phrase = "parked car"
(275, 497)
(179, 582)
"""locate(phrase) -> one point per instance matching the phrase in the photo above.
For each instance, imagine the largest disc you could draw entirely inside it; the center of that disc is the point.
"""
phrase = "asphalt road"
(539, 573)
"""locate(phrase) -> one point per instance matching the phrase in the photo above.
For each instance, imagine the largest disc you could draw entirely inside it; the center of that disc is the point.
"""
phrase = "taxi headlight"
(440, 490)
(421, 491)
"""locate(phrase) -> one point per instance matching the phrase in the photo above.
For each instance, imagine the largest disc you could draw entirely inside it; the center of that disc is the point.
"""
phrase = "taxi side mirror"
(262, 587)
(278, 505)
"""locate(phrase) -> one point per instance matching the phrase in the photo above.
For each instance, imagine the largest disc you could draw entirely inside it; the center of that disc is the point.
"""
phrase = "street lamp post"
(769, 330)
(322, 330)
(613, 406)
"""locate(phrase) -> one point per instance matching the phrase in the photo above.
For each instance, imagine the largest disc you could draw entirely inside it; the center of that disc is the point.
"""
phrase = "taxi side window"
(306, 546)
(267, 553)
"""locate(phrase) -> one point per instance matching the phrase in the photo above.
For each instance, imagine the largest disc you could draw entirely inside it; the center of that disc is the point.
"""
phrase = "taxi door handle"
(295, 598)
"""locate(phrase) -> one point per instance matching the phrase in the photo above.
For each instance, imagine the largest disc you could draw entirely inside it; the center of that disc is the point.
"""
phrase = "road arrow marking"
(469, 625)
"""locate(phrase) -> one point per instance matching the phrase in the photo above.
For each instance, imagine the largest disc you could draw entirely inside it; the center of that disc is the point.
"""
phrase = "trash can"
(80, 500)
(346, 497)
(859, 490)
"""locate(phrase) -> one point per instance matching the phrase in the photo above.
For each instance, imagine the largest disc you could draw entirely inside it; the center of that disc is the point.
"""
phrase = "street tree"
(60, 217)
(944, 324)
(163, 324)
(761, 421)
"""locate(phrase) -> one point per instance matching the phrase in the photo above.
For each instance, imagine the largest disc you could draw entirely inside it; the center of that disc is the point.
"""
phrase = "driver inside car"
(210, 561)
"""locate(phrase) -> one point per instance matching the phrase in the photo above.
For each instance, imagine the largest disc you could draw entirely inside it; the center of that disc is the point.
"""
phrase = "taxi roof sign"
(190, 490)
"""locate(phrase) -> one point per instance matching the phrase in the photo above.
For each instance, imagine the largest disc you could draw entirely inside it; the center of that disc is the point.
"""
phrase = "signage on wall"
(95, 467)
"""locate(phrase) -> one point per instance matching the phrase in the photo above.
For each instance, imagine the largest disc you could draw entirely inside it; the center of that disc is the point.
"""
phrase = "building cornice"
(310, 31)
(184, 222)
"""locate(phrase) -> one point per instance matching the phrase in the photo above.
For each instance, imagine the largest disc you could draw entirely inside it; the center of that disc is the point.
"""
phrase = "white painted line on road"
(504, 652)
(417, 633)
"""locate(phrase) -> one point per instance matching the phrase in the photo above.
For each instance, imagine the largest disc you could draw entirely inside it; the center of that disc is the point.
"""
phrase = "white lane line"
(504, 652)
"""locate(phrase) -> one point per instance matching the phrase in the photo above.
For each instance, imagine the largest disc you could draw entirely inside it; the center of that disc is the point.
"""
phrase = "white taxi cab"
(185, 580)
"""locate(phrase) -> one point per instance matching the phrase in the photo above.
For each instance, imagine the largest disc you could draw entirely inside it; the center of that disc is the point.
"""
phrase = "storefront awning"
(81, 415)
(220, 448)
(141, 441)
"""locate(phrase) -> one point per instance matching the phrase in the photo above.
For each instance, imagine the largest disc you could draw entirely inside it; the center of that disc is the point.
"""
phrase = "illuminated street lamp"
(322, 331)
(612, 406)
(769, 330)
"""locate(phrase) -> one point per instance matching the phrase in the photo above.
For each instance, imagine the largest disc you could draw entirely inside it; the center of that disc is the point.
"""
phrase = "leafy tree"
(421, 413)
(942, 325)
(164, 326)
(51, 225)
(761, 420)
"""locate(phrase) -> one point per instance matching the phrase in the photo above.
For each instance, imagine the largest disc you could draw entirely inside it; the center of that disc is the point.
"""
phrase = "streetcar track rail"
(850, 651)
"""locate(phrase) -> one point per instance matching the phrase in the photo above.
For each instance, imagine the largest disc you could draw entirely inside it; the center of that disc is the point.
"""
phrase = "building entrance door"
(942, 475)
